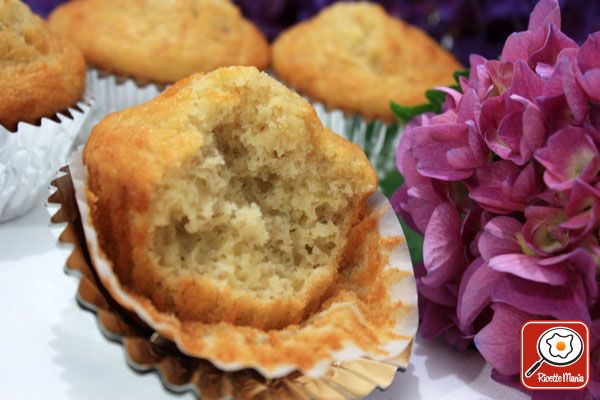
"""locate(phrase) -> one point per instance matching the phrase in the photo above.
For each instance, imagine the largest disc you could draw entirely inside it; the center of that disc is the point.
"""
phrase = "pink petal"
(581, 261)
(422, 201)
(468, 107)
(578, 221)
(542, 231)
(492, 113)
(495, 199)
(439, 295)
(587, 58)
(533, 128)
(526, 83)
(583, 208)
(475, 292)
(526, 185)
(527, 267)
(569, 155)
(462, 157)
(508, 136)
(443, 250)
(517, 47)
(544, 71)
(499, 341)
(430, 146)
(556, 41)
(590, 83)
(545, 11)
(501, 74)
(454, 95)
(434, 319)
(499, 237)
(576, 97)
(560, 302)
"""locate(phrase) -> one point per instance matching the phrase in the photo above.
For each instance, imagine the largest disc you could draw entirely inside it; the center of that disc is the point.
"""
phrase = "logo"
(554, 355)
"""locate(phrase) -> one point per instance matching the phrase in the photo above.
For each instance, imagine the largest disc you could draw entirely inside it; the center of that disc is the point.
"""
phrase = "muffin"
(42, 79)
(157, 42)
(41, 74)
(356, 59)
(225, 200)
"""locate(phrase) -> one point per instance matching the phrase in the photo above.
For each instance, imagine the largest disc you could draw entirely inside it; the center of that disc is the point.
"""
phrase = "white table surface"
(52, 349)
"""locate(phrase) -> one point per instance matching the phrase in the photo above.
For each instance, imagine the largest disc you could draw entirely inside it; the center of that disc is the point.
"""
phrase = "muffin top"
(161, 40)
(356, 57)
(40, 73)
(224, 199)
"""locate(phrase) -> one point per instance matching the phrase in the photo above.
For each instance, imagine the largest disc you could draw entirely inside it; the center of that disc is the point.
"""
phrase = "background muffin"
(40, 73)
(155, 43)
(352, 60)
(225, 199)
(42, 78)
(355, 57)
(161, 41)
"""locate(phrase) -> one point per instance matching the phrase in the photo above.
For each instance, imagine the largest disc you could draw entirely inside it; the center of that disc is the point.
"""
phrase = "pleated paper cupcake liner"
(378, 139)
(146, 350)
(114, 93)
(389, 338)
(30, 157)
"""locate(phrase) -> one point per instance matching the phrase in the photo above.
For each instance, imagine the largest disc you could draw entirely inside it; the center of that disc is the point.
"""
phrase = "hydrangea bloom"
(505, 186)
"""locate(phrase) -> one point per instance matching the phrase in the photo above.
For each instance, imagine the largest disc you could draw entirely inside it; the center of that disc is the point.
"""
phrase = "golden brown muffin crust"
(356, 57)
(130, 159)
(161, 41)
(40, 73)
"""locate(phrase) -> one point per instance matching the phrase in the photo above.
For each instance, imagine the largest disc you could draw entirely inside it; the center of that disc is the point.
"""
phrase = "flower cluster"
(505, 186)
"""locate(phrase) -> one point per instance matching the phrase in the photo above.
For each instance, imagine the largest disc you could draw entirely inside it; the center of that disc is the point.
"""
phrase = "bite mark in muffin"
(225, 199)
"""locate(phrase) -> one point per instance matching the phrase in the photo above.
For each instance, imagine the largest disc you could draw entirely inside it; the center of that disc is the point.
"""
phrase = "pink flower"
(512, 124)
(502, 187)
(542, 41)
(505, 186)
(582, 79)
(570, 154)
(443, 250)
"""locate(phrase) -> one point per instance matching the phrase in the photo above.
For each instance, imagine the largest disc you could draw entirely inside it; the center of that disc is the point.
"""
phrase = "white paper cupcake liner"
(113, 93)
(378, 139)
(401, 290)
(30, 157)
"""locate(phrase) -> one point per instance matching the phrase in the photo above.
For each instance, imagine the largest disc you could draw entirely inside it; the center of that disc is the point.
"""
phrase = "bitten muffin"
(41, 74)
(225, 200)
(356, 57)
(161, 41)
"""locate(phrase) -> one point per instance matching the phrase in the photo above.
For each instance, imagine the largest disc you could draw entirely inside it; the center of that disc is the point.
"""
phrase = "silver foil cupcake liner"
(114, 93)
(30, 157)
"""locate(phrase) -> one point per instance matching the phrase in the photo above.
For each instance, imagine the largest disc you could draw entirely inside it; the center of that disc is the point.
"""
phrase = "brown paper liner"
(147, 351)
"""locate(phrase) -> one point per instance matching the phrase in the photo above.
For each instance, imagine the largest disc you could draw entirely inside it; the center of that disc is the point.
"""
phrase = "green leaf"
(394, 180)
(414, 240)
(405, 114)
(459, 73)
(390, 183)
(435, 97)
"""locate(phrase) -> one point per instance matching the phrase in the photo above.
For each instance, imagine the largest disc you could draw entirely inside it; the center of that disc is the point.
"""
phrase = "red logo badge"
(554, 355)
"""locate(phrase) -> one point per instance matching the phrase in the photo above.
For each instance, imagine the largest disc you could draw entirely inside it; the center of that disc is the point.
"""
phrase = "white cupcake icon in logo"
(559, 345)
